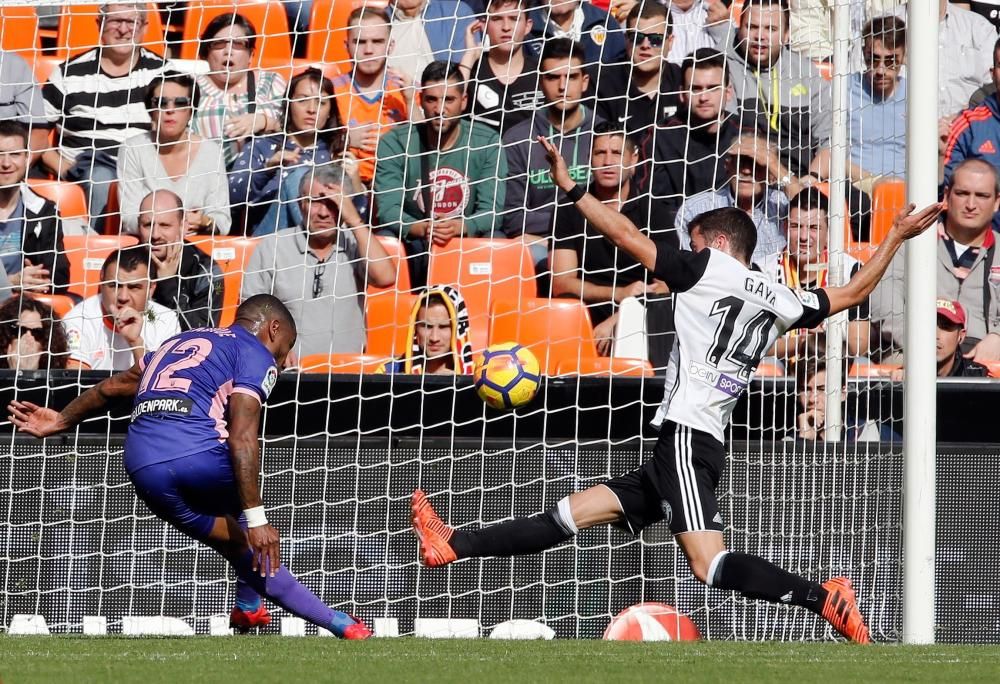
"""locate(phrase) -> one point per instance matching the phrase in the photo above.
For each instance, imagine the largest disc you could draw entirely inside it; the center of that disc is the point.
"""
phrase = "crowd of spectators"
(428, 133)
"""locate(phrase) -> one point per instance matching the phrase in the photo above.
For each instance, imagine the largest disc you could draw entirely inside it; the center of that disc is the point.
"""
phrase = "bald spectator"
(187, 282)
(320, 269)
(96, 100)
(967, 264)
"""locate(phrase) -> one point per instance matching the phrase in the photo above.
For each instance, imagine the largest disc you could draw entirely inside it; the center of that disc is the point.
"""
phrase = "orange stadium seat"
(19, 29)
(604, 365)
(388, 321)
(888, 199)
(268, 17)
(86, 254)
(69, 198)
(231, 254)
(326, 42)
(42, 66)
(340, 363)
(79, 30)
(849, 241)
(769, 369)
(556, 330)
(484, 270)
(60, 304)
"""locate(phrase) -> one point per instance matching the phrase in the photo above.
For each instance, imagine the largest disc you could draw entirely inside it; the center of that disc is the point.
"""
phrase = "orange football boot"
(243, 622)
(357, 632)
(841, 610)
(432, 533)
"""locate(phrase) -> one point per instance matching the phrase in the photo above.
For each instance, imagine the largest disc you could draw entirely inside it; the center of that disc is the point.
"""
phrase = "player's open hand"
(909, 225)
(36, 420)
(265, 544)
(560, 173)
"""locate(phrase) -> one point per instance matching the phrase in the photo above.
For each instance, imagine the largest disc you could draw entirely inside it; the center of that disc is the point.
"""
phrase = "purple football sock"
(286, 591)
(247, 598)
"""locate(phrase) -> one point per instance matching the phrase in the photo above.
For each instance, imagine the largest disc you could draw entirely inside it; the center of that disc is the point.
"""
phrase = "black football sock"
(757, 578)
(513, 538)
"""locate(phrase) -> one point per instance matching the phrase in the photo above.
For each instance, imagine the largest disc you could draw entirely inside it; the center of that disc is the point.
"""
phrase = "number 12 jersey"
(182, 405)
(726, 316)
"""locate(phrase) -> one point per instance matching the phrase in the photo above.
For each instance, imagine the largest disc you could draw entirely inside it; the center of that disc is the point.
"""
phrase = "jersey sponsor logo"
(759, 288)
(807, 298)
(449, 193)
(182, 406)
(270, 379)
(799, 90)
(720, 381)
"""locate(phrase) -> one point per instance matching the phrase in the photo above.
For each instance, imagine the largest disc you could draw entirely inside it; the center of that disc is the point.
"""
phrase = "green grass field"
(258, 660)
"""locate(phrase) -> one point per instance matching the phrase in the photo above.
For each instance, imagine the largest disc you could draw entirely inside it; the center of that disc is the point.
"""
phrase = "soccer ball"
(651, 622)
(506, 375)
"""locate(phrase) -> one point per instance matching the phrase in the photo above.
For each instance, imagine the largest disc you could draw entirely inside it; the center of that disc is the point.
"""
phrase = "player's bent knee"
(591, 507)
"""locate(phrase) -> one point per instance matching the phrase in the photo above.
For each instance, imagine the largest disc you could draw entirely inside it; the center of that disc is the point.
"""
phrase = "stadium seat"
(327, 38)
(862, 251)
(395, 249)
(888, 199)
(112, 212)
(994, 368)
(340, 363)
(19, 30)
(268, 17)
(69, 198)
(42, 66)
(79, 31)
(388, 321)
(60, 304)
(484, 271)
(231, 254)
(872, 370)
(605, 365)
(556, 330)
(86, 254)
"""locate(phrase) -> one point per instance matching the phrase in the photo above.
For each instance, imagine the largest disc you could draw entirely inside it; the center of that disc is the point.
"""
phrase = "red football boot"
(841, 610)
(243, 622)
(432, 533)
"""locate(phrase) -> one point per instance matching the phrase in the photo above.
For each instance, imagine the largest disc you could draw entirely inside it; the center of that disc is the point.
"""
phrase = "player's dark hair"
(129, 259)
(9, 128)
(562, 48)
(810, 198)
(263, 307)
(888, 30)
(497, 5)
(706, 58)
(734, 223)
(334, 133)
(612, 128)
(225, 21)
(767, 5)
(183, 80)
(649, 9)
(812, 364)
(442, 71)
(51, 335)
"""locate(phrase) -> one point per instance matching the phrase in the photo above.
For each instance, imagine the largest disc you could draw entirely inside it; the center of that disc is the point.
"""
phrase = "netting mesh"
(413, 128)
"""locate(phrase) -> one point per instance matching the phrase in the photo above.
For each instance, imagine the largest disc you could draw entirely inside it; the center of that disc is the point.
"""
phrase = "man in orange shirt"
(370, 97)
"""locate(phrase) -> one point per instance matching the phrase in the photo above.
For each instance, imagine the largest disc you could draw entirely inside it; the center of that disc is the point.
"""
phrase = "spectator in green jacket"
(438, 179)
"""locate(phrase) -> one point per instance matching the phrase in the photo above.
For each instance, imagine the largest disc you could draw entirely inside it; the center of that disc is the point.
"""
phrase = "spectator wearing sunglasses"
(236, 102)
(171, 157)
(320, 270)
(757, 183)
(646, 89)
(96, 100)
(264, 181)
(31, 338)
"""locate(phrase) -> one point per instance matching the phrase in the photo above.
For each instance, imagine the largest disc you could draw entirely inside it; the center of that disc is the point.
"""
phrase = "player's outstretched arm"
(244, 453)
(906, 226)
(613, 225)
(40, 421)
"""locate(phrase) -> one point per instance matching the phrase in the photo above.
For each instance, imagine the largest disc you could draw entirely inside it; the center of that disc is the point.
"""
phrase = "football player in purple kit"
(192, 450)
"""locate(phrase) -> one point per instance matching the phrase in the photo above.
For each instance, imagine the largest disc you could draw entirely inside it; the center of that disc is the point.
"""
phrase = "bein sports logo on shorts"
(720, 381)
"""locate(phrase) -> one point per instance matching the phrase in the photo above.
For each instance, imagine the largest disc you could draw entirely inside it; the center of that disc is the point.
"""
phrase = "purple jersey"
(182, 404)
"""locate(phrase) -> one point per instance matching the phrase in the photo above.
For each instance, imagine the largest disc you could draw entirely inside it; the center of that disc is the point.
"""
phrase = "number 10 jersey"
(182, 405)
(726, 316)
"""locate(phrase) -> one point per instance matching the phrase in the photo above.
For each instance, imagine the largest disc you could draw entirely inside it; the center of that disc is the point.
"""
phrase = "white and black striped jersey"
(726, 317)
(97, 111)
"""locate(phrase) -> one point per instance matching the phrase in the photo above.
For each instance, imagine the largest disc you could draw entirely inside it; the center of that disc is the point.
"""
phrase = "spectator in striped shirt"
(236, 102)
(96, 100)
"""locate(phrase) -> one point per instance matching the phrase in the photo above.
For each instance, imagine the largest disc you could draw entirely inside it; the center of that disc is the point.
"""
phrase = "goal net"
(813, 480)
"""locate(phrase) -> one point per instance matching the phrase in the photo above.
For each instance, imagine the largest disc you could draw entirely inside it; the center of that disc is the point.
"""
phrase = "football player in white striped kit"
(726, 317)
